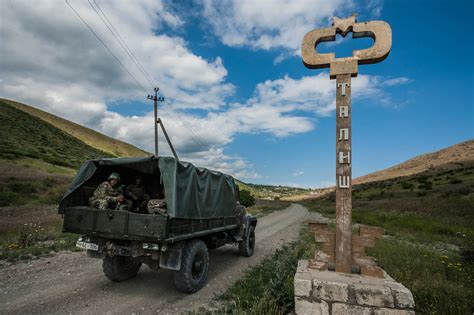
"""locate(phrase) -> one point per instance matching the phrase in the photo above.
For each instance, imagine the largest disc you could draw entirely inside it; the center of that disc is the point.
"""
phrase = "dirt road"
(72, 283)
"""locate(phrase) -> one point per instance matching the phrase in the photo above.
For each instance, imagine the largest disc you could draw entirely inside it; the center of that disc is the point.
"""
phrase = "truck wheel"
(247, 245)
(120, 268)
(194, 267)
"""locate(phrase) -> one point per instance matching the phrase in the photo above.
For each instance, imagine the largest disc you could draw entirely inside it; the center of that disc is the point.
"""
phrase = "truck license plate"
(86, 245)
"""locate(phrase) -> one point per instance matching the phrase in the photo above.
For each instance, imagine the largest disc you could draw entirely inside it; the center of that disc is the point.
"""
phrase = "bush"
(421, 194)
(426, 185)
(24, 188)
(7, 198)
(455, 180)
(465, 190)
(246, 198)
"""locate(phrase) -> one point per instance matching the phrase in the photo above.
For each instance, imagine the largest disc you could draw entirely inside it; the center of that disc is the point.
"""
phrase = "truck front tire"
(247, 245)
(120, 268)
(194, 267)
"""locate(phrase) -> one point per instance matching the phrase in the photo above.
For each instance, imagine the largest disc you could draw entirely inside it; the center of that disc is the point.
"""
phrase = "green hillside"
(90, 137)
(429, 243)
(26, 136)
(271, 191)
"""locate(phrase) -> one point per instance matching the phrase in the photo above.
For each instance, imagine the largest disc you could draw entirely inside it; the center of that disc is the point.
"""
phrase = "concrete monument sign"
(319, 290)
(342, 69)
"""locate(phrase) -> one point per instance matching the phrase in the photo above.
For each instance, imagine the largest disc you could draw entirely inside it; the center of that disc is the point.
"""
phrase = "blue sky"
(233, 74)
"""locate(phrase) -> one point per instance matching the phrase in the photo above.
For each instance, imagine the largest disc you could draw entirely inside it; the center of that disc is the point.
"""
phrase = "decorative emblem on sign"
(379, 31)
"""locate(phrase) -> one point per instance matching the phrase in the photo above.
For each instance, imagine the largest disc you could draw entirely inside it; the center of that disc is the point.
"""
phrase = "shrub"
(426, 185)
(7, 198)
(465, 190)
(421, 194)
(246, 198)
(23, 188)
(455, 180)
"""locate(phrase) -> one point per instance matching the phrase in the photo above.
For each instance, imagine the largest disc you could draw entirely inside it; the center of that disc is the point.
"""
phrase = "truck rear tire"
(194, 267)
(247, 245)
(120, 268)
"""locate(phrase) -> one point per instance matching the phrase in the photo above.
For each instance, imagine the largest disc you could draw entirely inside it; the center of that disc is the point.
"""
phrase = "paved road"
(72, 283)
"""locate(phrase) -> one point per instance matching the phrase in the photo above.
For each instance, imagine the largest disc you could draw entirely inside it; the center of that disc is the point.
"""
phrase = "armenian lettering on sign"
(344, 138)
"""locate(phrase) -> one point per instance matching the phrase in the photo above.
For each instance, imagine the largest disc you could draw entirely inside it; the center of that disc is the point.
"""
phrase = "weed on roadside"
(268, 287)
(32, 240)
(441, 284)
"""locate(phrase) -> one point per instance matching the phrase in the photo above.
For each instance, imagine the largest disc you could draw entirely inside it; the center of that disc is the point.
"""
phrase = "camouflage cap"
(114, 176)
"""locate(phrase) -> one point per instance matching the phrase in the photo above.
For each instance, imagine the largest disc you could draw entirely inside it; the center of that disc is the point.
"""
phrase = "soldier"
(137, 194)
(108, 195)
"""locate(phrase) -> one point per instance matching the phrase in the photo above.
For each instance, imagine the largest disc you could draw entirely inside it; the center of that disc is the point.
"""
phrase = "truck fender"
(247, 222)
(170, 258)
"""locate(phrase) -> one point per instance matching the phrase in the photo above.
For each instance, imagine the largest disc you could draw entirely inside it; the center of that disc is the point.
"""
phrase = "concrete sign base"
(328, 292)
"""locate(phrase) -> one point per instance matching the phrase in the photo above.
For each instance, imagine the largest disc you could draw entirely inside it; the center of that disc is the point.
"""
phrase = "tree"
(246, 198)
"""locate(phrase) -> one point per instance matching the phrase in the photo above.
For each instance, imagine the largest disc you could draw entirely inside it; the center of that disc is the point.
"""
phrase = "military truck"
(202, 213)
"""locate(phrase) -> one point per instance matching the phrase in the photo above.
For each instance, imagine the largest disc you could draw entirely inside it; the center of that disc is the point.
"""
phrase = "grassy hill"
(271, 191)
(37, 159)
(452, 157)
(27, 136)
(90, 137)
(455, 157)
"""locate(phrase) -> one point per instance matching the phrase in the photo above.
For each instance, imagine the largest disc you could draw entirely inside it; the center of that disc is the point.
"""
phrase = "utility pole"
(156, 99)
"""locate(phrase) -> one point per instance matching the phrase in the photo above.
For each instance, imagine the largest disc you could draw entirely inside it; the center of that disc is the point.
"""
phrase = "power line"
(121, 41)
(196, 137)
(103, 43)
(105, 20)
(136, 61)
(110, 26)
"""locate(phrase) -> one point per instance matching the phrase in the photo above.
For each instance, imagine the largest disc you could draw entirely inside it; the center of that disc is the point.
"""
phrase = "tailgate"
(114, 223)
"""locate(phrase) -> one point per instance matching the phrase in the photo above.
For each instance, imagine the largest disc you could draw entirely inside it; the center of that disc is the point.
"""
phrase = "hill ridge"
(449, 157)
(29, 137)
(89, 136)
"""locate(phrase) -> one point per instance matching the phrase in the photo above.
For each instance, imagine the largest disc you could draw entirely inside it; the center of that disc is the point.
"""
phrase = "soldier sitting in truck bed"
(137, 197)
(108, 194)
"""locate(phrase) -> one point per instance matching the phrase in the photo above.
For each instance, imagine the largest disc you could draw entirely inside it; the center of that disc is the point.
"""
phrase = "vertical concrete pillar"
(343, 174)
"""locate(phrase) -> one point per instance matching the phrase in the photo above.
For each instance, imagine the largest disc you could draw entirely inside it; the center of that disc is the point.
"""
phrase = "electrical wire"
(105, 20)
(106, 47)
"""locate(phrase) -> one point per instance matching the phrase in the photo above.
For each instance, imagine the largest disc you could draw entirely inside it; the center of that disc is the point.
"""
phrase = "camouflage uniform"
(104, 196)
(138, 197)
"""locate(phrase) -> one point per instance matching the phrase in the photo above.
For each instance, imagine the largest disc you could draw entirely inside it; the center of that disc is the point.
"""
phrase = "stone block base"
(329, 292)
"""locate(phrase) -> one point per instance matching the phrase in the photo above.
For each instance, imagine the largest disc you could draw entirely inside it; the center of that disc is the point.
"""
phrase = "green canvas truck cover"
(191, 192)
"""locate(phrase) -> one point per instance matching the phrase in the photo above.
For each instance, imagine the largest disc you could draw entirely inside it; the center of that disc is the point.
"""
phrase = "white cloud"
(397, 81)
(270, 24)
(53, 62)
(57, 50)
(298, 173)
(374, 7)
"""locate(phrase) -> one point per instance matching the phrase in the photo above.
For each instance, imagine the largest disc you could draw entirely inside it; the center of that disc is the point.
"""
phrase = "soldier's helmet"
(114, 176)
